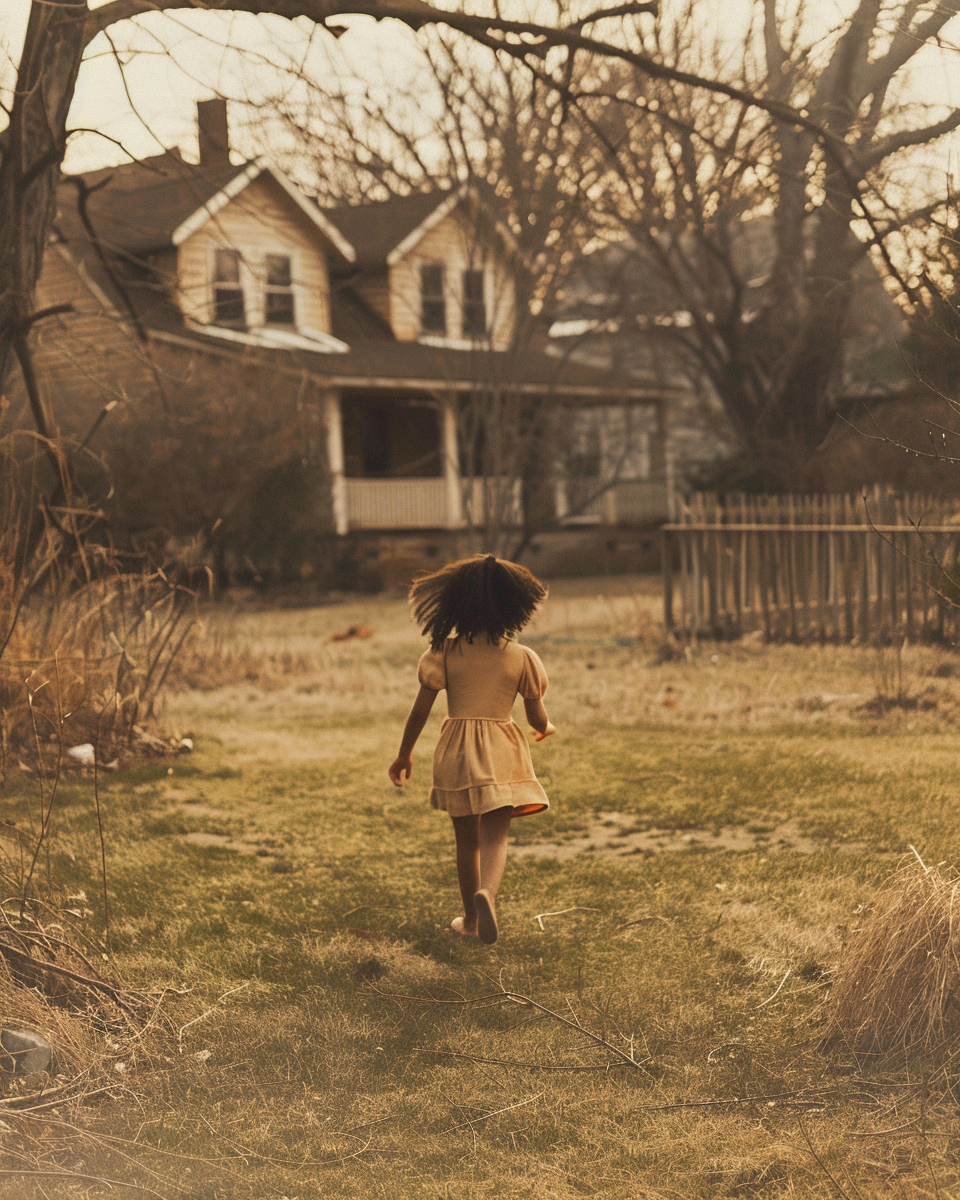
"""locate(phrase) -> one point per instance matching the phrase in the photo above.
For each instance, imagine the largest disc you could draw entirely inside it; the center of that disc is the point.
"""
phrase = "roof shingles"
(138, 210)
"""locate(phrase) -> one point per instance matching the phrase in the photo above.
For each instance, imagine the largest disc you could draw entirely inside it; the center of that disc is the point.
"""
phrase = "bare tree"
(756, 229)
(806, 129)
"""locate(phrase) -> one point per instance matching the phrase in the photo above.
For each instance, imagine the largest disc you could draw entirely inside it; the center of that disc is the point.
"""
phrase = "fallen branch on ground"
(494, 998)
(805, 1096)
(98, 985)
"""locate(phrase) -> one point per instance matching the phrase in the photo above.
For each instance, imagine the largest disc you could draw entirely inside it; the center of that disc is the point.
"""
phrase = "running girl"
(483, 777)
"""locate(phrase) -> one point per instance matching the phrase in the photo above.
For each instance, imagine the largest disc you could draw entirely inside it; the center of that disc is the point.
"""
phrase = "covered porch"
(397, 463)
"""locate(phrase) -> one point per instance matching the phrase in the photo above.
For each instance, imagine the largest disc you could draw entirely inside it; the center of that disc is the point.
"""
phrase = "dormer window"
(279, 303)
(474, 307)
(433, 306)
(228, 308)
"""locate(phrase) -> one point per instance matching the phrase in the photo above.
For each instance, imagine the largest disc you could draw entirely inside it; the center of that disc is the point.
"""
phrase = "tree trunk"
(30, 166)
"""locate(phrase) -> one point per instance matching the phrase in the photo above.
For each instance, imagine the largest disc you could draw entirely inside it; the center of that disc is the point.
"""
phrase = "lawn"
(649, 1024)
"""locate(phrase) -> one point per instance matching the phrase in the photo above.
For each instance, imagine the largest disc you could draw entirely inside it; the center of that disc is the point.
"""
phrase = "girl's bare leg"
(467, 832)
(481, 858)
(494, 827)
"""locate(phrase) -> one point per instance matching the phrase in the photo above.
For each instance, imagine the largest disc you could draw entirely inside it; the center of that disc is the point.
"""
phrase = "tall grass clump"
(87, 634)
(87, 639)
(898, 984)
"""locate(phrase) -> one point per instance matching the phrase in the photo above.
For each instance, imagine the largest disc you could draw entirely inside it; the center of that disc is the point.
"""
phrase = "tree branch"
(483, 29)
(906, 43)
(622, 10)
(910, 137)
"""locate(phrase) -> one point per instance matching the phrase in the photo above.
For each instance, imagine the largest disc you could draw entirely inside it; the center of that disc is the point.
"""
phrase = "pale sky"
(183, 57)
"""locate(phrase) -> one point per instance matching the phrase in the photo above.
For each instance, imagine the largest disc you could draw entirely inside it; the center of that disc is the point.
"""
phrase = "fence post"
(666, 566)
(865, 591)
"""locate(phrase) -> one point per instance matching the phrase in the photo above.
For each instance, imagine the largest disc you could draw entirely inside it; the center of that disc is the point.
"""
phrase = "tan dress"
(482, 760)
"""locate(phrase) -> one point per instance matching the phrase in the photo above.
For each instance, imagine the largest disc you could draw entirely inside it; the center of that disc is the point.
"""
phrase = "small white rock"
(83, 754)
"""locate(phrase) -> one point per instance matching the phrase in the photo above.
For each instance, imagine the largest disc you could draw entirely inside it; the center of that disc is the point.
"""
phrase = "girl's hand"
(401, 769)
(545, 733)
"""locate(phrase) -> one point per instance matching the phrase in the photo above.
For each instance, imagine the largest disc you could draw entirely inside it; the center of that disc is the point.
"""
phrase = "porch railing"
(397, 503)
(428, 504)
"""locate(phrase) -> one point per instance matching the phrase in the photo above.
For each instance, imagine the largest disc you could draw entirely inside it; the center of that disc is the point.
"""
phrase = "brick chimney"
(213, 133)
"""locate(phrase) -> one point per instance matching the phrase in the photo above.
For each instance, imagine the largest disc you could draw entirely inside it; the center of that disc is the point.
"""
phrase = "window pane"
(433, 309)
(280, 308)
(431, 279)
(278, 270)
(226, 266)
(473, 285)
(474, 309)
(228, 306)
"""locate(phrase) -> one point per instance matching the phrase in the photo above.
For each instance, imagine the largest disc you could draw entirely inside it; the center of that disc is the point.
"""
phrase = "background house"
(304, 379)
(623, 312)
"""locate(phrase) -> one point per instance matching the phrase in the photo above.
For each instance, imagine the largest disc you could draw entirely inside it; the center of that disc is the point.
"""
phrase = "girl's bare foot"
(458, 925)
(487, 930)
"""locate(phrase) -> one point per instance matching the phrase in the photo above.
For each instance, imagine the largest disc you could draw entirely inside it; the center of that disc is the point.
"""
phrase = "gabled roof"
(385, 231)
(144, 206)
(376, 229)
(156, 203)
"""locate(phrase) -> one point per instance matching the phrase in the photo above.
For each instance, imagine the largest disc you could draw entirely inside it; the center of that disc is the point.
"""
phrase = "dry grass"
(897, 984)
(327, 1049)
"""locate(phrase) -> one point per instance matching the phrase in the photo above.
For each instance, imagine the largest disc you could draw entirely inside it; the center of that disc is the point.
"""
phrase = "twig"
(559, 913)
(213, 1008)
(926, 869)
(34, 1174)
(517, 998)
(820, 1163)
(800, 1095)
(496, 1113)
(10, 1102)
(506, 1062)
(885, 1132)
(55, 969)
(777, 992)
(103, 844)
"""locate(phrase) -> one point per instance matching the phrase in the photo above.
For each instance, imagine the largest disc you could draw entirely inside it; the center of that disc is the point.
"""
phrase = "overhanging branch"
(910, 137)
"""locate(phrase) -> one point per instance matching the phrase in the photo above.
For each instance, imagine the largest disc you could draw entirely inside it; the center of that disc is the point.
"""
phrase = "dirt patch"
(617, 835)
(223, 841)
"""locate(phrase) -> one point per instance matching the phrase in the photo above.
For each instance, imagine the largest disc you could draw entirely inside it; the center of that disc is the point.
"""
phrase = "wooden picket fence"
(870, 569)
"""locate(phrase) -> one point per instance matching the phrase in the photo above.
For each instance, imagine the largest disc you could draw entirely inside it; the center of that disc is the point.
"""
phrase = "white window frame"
(487, 335)
(244, 283)
(444, 289)
(295, 289)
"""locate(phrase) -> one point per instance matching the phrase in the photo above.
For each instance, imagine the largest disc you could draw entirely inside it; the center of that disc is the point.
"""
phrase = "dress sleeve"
(533, 681)
(432, 670)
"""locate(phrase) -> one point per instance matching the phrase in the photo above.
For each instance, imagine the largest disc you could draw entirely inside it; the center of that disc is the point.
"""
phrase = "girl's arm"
(537, 719)
(402, 766)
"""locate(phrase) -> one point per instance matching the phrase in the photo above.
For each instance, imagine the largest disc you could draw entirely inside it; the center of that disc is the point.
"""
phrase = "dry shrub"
(898, 983)
(85, 664)
(87, 635)
(63, 1019)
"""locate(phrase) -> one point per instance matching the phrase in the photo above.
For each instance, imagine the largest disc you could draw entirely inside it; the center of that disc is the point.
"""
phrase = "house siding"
(84, 358)
(261, 220)
(453, 243)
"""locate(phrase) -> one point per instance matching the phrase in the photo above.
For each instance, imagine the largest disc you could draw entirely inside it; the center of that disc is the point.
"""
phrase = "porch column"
(450, 451)
(333, 422)
(661, 459)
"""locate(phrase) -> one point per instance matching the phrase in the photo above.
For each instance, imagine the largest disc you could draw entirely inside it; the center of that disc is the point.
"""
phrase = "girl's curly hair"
(478, 595)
